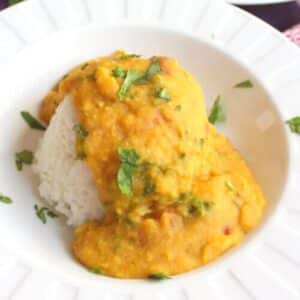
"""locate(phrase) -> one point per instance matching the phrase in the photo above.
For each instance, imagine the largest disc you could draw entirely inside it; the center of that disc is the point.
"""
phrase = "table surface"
(281, 16)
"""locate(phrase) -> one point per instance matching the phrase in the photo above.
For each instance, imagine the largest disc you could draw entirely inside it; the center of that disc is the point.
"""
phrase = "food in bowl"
(132, 160)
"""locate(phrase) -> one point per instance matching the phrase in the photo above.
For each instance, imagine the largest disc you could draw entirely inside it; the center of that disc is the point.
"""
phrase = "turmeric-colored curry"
(176, 193)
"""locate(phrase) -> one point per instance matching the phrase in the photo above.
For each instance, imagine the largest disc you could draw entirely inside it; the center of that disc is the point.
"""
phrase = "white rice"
(66, 183)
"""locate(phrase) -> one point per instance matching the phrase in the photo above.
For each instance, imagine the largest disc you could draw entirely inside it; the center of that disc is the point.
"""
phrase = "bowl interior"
(252, 123)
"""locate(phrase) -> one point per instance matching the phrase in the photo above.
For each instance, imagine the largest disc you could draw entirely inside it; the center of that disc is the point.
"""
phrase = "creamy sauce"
(193, 197)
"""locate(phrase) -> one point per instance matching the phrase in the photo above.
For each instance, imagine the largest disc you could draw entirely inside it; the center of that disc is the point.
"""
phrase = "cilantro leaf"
(127, 55)
(130, 156)
(216, 114)
(153, 69)
(245, 84)
(294, 124)
(43, 212)
(78, 129)
(97, 271)
(164, 94)
(158, 276)
(5, 199)
(84, 66)
(149, 187)
(119, 72)
(129, 161)
(23, 157)
(200, 207)
(31, 121)
(229, 185)
(131, 77)
(124, 178)
(81, 155)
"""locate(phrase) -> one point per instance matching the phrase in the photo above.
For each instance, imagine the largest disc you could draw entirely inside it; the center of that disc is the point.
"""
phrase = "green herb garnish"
(163, 94)
(13, 2)
(149, 187)
(119, 72)
(97, 271)
(51, 214)
(158, 276)
(200, 207)
(294, 124)
(126, 55)
(81, 155)
(229, 185)
(201, 142)
(153, 69)
(31, 121)
(178, 107)
(80, 131)
(5, 199)
(131, 77)
(216, 114)
(129, 161)
(245, 84)
(23, 157)
(43, 212)
(84, 66)
(65, 76)
(92, 76)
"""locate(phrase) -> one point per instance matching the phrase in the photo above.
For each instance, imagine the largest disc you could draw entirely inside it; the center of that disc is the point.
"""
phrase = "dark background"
(281, 16)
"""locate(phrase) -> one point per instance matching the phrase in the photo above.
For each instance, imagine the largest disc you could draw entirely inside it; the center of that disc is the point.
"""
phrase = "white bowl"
(255, 124)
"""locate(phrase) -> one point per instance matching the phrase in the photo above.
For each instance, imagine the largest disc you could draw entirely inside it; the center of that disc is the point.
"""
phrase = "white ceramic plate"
(257, 2)
(221, 46)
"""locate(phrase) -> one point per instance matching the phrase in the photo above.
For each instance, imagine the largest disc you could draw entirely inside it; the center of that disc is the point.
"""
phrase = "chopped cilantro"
(51, 214)
(127, 55)
(294, 124)
(129, 161)
(5, 199)
(119, 72)
(153, 69)
(163, 94)
(23, 157)
(92, 76)
(130, 156)
(80, 131)
(65, 76)
(200, 207)
(158, 276)
(149, 187)
(216, 114)
(245, 84)
(81, 155)
(138, 77)
(43, 212)
(131, 77)
(97, 271)
(229, 185)
(84, 66)
(31, 121)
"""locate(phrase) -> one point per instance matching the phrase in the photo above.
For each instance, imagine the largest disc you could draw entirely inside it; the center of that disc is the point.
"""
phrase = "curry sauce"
(176, 193)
